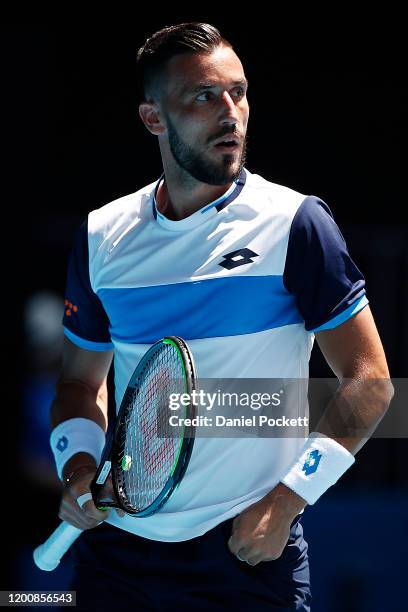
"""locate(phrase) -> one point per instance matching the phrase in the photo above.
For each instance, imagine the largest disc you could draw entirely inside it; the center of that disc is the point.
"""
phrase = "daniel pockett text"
(257, 420)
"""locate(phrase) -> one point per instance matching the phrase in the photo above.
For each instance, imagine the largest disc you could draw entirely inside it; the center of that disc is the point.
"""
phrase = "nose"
(229, 114)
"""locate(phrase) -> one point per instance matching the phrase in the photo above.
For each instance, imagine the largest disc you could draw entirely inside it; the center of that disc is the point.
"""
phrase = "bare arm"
(84, 373)
(81, 392)
(354, 352)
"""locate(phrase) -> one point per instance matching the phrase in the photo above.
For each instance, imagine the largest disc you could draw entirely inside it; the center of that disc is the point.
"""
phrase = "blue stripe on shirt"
(343, 316)
(87, 344)
(232, 306)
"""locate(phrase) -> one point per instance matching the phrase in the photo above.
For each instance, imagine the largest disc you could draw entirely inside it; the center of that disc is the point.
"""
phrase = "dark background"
(327, 118)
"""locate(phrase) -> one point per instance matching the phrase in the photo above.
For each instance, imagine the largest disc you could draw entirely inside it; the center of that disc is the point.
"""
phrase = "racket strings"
(149, 446)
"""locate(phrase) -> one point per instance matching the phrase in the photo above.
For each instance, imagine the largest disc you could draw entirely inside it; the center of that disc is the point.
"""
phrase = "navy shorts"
(117, 570)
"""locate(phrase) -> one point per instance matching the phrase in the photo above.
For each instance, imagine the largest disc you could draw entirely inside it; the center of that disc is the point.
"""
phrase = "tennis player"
(249, 273)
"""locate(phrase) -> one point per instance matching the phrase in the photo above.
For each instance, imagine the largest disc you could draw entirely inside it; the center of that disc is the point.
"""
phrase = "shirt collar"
(204, 213)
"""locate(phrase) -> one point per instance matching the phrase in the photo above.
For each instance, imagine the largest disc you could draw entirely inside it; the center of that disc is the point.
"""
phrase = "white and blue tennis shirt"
(246, 281)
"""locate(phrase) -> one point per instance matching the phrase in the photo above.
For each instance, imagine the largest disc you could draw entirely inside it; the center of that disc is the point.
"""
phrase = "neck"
(180, 195)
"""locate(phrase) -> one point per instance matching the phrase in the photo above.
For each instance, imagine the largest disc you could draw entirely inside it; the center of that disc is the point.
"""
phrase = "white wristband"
(76, 436)
(318, 466)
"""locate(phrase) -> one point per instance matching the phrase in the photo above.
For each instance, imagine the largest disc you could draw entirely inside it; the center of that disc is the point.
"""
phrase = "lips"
(227, 142)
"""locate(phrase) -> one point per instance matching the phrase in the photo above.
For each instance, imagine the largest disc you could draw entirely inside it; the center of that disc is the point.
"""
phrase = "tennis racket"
(145, 456)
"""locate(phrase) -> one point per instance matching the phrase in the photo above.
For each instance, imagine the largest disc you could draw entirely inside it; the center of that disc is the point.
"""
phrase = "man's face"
(204, 103)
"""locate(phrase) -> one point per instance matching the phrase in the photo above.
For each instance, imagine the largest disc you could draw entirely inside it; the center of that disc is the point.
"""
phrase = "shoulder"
(110, 220)
(306, 214)
(283, 198)
(313, 222)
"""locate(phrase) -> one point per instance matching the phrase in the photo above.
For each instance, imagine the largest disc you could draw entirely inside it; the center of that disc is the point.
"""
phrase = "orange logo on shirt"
(70, 308)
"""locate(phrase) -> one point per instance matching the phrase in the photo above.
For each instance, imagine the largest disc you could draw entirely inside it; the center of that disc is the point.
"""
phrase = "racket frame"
(108, 464)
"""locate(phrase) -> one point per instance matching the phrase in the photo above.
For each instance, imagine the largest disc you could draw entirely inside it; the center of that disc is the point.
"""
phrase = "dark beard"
(202, 170)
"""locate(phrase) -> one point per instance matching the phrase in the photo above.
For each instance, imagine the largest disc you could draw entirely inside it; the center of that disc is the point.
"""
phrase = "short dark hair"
(193, 37)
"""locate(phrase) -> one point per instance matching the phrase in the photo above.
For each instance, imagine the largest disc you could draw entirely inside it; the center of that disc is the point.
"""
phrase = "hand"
(88, 516)
(261, 532)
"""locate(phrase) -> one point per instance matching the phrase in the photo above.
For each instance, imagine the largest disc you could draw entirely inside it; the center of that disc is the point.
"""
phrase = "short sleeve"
(85, 321)
(327, 285)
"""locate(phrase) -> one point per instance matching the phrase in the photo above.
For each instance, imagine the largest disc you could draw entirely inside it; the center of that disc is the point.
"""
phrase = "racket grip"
(48, 555)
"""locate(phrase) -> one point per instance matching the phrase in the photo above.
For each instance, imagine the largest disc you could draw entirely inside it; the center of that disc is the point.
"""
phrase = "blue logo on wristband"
(312, 462)
(62, 443)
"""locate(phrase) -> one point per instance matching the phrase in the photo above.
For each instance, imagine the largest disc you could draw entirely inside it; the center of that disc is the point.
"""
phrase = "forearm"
(355, 411)
(348, 421)
(75, 399)
(354, 352)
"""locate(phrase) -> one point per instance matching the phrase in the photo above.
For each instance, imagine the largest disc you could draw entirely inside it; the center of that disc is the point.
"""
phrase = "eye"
(204, 96)
(238, 92)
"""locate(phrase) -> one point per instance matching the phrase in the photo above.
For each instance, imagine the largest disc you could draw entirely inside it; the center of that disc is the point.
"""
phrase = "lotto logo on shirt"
(238, 258)
(70, 308)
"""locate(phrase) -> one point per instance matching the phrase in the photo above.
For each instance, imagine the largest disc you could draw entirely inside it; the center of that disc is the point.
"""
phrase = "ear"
(150, 116)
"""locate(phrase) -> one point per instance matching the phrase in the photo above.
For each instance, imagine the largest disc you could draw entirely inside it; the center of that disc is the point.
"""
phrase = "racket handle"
(48, 555)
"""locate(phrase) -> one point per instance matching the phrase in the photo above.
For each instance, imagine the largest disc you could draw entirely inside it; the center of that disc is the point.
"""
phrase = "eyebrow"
(206, 85)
